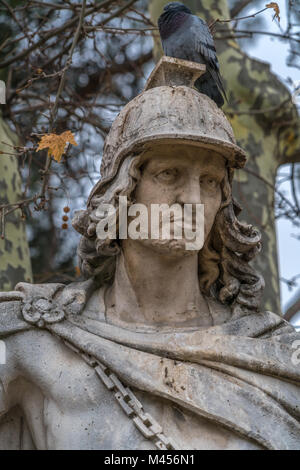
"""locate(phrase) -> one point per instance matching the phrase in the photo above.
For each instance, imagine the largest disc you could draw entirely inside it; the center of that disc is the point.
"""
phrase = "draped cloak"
(243, 375)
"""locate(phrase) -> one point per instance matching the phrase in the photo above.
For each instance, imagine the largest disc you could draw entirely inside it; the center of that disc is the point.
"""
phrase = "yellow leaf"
(275, 7)
(56, 144)
(77, 271)
(291, 137)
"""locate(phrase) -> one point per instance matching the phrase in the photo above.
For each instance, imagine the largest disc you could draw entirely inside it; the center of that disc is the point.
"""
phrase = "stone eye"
(168, 175)
(209, 183)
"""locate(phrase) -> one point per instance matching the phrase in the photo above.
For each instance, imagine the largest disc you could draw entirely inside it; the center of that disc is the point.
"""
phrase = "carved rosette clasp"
(40, 311)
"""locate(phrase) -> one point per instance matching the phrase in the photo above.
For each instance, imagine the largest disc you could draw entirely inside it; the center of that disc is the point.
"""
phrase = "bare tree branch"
(238, 7)
(292, 310)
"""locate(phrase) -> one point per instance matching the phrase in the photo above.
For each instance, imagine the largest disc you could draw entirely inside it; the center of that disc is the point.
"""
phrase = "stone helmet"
(165, 114)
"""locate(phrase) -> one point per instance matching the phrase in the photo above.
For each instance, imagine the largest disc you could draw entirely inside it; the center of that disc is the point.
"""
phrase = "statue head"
(174, 145)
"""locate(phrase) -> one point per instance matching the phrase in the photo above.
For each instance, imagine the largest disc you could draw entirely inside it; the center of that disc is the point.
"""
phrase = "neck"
(152, 289)
(169, 22)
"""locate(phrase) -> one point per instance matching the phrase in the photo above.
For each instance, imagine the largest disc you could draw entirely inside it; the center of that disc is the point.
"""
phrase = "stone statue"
(160, 347)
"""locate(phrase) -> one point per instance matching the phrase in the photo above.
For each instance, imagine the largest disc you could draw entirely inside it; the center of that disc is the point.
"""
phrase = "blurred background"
(72, 65)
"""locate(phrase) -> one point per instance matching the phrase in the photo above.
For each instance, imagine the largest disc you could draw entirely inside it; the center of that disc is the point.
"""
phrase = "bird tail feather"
(207, 86)
(217, 78)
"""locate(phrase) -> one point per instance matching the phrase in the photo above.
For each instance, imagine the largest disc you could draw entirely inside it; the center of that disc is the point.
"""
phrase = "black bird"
(185, 36)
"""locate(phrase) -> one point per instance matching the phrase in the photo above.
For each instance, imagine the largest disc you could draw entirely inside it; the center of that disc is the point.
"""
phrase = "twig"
(292, 310)
(119, 30)
(247, 170)
(68, 63)
(53, 32)
(12, 13)
(293, 187)
(237, 19)
(250, 33)
(236, 9)
(119, 12)
(59, 91)
(18, 204)
(57, 6)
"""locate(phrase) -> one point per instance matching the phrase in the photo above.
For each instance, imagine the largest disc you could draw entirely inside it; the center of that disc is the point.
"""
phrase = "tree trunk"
(271, 138)
(14, 252)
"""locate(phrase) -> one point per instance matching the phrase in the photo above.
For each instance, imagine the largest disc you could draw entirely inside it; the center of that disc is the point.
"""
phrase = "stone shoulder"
(10, 313)
(34, 304)
(12, 305)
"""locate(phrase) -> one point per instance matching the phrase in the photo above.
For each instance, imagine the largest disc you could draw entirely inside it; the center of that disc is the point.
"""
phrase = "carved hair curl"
(224, 269)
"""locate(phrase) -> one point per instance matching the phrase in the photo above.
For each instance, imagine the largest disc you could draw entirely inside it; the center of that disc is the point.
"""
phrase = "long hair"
(224, 269)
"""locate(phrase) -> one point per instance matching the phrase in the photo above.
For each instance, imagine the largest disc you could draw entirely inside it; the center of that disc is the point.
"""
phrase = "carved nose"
(190, 193)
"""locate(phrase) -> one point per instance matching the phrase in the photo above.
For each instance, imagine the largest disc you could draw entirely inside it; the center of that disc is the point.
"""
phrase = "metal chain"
(133, 408)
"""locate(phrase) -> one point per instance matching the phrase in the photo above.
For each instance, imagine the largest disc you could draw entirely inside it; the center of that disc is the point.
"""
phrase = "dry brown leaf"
(56, 144)
(291, 137)
(275, 7)
(77, 271)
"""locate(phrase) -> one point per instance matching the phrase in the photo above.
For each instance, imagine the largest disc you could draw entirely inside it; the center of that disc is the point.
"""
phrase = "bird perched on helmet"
(185, 36)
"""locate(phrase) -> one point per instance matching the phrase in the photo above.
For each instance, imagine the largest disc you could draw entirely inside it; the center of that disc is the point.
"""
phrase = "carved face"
(183, 175)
